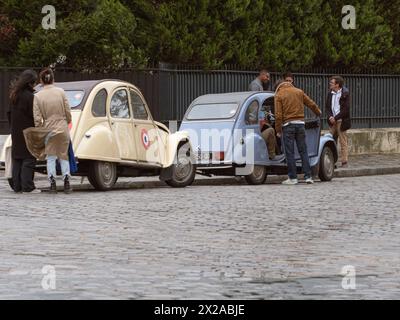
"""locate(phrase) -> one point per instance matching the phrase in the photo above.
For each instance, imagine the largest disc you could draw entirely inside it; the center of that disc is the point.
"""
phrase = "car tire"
(11, 183)
(184, 168)
(326, 164)
(102, 175)
(258, 176)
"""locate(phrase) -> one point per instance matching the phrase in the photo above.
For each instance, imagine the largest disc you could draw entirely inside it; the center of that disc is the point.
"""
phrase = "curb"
(359, 172)
(342, 173)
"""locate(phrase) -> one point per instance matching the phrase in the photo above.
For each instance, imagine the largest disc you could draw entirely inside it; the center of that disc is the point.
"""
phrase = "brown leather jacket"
(289, 105)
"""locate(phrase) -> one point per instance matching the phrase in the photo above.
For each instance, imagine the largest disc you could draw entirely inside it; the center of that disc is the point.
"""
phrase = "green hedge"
(110, 35)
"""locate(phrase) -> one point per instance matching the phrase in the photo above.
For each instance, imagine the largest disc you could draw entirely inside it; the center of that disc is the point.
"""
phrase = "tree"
(368, 46)
(7, 37)
(100, 41)
(112, 34)
(390, 11)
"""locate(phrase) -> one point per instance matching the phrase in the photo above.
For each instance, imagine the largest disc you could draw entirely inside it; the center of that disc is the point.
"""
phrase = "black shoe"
(67, 186)
(53, 186)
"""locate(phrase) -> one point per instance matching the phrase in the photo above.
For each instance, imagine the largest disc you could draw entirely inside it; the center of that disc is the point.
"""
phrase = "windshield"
(212, 111)
(74, 97)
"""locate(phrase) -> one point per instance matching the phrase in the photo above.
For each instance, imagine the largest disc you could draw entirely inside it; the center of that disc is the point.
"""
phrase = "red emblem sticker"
(145, 139)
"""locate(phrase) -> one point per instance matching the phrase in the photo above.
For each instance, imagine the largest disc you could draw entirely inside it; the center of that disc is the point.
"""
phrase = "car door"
(313, 134)
(120, 117)
(254, 146)
(146, 133)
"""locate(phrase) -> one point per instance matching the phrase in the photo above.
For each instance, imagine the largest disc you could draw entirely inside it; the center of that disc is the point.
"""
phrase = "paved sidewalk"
(362, 165)
(370, 165)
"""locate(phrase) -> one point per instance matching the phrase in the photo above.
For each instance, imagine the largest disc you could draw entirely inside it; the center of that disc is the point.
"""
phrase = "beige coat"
(52, 115)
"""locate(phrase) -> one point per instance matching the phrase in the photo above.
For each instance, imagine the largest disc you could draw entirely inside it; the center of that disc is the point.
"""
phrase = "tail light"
(219, 156)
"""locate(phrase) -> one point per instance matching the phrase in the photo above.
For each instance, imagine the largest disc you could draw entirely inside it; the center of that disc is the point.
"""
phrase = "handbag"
(73, 166)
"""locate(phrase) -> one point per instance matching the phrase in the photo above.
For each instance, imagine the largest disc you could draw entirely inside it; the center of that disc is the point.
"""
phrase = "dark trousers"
(23, 173)
(296, 133)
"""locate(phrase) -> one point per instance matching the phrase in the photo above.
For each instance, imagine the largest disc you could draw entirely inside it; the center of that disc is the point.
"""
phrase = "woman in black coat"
(20, 117)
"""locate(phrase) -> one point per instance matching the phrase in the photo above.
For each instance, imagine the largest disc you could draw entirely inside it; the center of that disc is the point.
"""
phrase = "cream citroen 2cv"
(113, 135)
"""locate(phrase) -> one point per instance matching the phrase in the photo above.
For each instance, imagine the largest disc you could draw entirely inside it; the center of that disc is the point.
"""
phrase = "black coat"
(344, 113)
(20, 117)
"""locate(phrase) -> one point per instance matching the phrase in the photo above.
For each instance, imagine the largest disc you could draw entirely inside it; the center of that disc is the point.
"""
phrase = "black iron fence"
(375, 98)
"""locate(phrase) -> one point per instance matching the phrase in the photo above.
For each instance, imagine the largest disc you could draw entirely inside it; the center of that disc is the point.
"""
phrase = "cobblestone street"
(204, 242)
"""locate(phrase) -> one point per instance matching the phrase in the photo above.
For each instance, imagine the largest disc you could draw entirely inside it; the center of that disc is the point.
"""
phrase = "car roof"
(238, 97)
(78, 85)
(86, 85)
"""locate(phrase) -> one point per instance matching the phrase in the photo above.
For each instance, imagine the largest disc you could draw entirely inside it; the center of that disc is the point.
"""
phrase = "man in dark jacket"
(337, 108)
(20, 117)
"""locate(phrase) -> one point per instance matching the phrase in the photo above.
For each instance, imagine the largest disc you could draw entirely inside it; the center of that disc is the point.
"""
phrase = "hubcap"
(183, 168)
(328, 164)
(107, 172)
(258, 172)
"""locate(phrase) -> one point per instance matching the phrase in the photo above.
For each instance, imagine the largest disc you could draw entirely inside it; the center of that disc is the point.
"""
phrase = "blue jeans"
(51, 167)
(292, 133)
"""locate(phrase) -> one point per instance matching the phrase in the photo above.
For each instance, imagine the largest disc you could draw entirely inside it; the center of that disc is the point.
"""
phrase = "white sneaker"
(34, 191)
(290, 181)
(309, 181)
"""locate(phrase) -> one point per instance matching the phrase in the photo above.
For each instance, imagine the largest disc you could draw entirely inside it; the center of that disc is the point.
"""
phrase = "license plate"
(203, 156)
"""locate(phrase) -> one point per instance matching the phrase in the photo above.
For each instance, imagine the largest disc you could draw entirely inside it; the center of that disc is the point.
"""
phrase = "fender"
(97, 143)
(172, 146)
(327, 140)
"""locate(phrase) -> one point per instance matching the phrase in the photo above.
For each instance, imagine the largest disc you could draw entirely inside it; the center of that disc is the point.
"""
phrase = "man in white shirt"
(338, 110)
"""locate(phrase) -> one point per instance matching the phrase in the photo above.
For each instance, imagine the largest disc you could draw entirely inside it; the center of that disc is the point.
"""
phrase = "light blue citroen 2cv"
(226, 134)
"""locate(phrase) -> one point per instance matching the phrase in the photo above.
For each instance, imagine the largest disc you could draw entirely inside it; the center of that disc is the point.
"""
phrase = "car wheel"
(102, 175)
(326, 165)
(184, 169)
(258, 176)
(11, 183)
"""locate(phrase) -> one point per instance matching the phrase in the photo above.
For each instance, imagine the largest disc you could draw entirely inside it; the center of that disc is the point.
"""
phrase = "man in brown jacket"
(289, 120)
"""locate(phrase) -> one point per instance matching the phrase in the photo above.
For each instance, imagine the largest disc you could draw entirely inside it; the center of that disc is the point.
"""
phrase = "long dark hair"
(26, 80)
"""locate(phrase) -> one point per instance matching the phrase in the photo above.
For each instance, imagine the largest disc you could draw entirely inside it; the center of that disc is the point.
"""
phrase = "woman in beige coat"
(52, 112)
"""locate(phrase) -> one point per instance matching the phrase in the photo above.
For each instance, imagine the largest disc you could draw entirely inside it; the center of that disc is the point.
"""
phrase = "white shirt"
(335, 102)
(293, 122)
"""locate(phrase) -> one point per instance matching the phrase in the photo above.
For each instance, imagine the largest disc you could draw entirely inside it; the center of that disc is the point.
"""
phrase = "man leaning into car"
(289, 119)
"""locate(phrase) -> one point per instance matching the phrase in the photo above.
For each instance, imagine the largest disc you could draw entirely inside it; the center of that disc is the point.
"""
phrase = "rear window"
(74, 97)
(212, 111)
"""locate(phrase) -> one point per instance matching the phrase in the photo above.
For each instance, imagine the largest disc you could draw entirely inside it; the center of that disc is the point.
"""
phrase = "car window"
(212, 111)
(99, 104)
(74, 97)
(119, 107)
(138, 106)
(251, 116)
